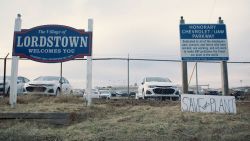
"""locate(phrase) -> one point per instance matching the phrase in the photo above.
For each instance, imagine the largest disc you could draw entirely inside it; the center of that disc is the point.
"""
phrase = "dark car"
(239, 95)
(113, 94)
(191, 92)
(132, 94)
(122, 94)
(212, 93)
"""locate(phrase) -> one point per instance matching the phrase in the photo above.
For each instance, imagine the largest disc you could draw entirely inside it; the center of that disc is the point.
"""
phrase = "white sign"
(203, 42)
(208, 103)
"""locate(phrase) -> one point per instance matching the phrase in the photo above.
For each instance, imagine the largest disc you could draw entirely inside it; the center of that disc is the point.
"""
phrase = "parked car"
(95, 94)
(239, 94)
(132, 94)
(20, 83)
(157, 87)
(123, 93)
(78, 92)
(48, 85)
(105, 94)
(191, 92)
(212, 92)
(113, 93)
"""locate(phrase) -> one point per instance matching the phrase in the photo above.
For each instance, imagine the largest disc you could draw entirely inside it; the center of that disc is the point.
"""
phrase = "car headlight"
(151, 86)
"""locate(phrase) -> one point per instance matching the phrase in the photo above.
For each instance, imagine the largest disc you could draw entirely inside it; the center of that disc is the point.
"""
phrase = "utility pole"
(197, 85)
(128, 74)
(184, 69)
(224, 72)
(61, 82)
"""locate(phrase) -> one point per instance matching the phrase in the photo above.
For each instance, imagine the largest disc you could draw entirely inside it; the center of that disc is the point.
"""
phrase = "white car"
(20, 83)
(48, 85)
(157, 87)
(95, 94)
(106, 94)
(78, 92)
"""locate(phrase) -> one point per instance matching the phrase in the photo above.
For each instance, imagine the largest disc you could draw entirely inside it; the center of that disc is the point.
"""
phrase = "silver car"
(20, 84)
(95, 94)
(48, 85)
(106, 94)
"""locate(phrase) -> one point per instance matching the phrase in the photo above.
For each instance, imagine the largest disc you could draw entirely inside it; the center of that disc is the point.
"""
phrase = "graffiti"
(208, 103)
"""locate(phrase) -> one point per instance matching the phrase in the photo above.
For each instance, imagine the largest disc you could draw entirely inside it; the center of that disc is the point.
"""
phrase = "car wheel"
(58, 91)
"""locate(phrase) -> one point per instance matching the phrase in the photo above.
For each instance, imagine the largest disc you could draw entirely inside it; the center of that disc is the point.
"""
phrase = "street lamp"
(241, 83)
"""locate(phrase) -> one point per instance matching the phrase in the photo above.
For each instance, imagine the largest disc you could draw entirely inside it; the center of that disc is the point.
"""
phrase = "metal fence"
(130, 71)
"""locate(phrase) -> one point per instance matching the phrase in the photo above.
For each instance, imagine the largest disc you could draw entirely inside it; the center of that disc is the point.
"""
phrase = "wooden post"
(184, 70)
(224, 72)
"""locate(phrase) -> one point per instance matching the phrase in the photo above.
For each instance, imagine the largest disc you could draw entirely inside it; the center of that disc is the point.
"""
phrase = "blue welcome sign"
(52, 43)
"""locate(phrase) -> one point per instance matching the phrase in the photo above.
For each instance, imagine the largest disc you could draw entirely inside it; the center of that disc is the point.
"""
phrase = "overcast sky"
(140, 28)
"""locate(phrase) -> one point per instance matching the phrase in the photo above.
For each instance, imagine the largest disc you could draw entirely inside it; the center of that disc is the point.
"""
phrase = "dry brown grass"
(124, 120)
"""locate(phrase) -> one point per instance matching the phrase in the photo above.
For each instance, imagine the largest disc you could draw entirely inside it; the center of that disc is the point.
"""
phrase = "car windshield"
(157, 79)
(47, 78)
(7, 78)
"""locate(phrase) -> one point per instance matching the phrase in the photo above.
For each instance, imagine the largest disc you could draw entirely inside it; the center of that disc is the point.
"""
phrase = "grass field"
(123, 120)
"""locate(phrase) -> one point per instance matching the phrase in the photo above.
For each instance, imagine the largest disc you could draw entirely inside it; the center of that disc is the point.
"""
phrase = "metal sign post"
(89, 68)
(14, 68)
